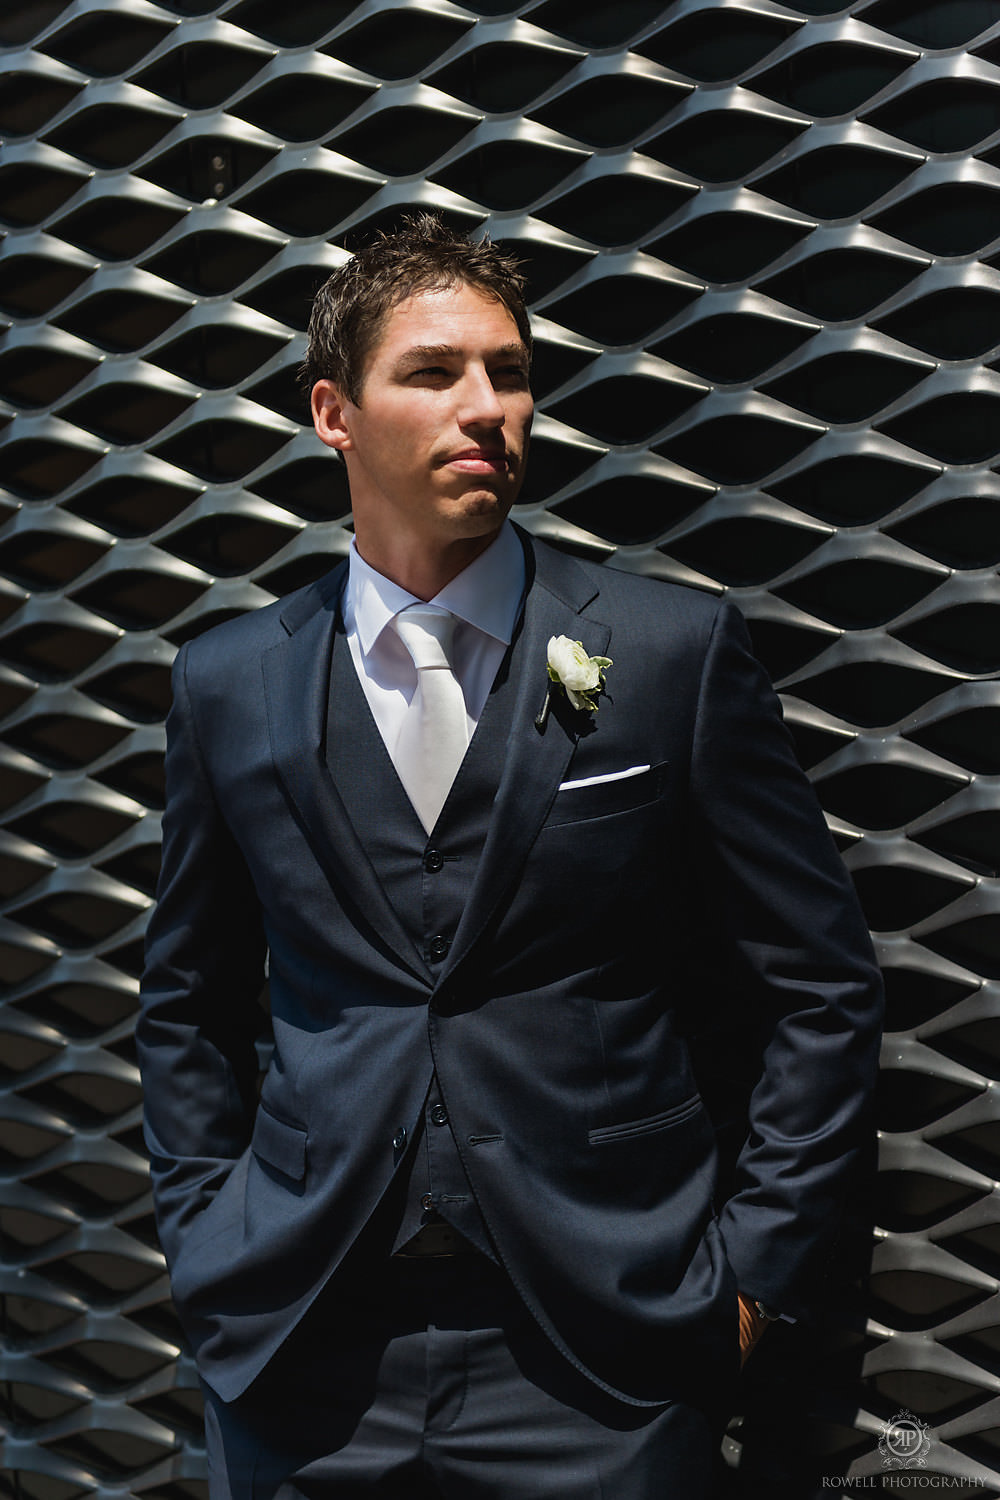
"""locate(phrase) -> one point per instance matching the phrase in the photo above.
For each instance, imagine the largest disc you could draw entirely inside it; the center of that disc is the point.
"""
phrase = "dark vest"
(427, 880)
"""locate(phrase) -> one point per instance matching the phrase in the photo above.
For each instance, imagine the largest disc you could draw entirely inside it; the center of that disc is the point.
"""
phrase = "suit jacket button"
(399, 1139)
(433, 861)
(439, 1115)
(427, 1202)
(438, 947)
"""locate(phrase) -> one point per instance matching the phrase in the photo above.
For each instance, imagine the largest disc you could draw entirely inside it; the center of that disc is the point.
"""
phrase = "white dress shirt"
(486, 600)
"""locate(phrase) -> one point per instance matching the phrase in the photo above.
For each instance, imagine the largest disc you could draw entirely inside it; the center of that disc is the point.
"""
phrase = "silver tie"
(435, 736)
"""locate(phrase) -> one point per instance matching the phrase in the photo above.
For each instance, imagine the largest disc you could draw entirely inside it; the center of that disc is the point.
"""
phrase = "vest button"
(437, 948)
(399, 1139)
(439, 1115)
(433, 861)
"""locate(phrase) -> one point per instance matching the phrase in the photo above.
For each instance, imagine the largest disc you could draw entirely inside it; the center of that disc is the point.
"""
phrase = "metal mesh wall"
(764, 243)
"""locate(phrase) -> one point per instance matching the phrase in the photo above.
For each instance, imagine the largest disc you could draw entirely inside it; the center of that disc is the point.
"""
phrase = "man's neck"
(487, 595)
(421, 573)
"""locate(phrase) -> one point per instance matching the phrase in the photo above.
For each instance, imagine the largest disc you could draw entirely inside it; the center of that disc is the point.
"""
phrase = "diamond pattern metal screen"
(764, 249)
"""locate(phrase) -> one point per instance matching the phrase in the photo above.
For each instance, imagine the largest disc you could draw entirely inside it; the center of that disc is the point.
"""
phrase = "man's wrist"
(754, 1317)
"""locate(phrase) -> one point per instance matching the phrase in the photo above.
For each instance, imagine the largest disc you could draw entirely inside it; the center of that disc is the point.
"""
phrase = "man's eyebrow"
(420, 353)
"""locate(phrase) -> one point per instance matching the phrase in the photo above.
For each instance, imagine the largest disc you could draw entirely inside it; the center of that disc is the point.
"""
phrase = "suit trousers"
(427, 1379)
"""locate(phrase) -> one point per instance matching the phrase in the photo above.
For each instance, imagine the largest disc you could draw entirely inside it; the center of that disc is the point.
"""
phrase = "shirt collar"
(487, 594)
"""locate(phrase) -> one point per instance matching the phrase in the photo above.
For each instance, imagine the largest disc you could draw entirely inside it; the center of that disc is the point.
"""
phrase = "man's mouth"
(480, 461)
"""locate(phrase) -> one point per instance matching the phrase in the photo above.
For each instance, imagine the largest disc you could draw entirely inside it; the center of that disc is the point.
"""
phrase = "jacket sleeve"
(804, 961)
(204, 972)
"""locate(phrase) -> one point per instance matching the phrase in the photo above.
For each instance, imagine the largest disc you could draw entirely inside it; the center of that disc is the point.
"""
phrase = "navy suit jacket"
(557, 1023)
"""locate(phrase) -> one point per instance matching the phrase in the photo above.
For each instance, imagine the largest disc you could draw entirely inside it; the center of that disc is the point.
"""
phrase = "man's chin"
(479, 511)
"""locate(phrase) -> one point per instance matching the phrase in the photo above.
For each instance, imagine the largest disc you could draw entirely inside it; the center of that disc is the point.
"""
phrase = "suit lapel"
(296, 690)
(529, 762)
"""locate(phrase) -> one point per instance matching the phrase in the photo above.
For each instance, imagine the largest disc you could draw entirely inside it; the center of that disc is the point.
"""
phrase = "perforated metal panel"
(764, 248)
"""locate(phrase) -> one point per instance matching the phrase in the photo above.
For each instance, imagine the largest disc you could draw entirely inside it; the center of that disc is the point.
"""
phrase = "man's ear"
(329, 414)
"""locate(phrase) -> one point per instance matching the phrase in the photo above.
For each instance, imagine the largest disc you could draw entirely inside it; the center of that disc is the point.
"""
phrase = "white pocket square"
(567, 786)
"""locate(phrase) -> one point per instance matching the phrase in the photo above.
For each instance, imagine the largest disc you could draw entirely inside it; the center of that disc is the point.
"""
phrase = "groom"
(495, 823)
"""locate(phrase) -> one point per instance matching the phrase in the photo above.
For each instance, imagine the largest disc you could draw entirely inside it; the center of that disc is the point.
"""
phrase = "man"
(467, 1242)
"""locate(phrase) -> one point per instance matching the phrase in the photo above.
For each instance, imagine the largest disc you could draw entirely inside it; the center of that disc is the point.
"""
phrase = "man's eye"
(511, 375)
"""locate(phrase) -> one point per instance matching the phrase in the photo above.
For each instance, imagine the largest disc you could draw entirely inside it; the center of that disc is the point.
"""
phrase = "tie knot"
(426, 631)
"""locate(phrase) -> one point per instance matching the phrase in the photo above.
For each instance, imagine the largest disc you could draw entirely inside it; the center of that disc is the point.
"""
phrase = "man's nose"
(479, 403)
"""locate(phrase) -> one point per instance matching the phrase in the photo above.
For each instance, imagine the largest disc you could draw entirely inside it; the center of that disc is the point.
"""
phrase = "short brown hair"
(350, 309)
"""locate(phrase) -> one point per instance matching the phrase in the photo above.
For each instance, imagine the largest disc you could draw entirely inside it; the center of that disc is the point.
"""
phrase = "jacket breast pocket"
(649, 1125)
(576, 804)
(280, 1144)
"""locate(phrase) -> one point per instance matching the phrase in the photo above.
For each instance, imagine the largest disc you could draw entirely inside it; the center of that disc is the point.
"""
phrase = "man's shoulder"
(246, 637)
(617, 591)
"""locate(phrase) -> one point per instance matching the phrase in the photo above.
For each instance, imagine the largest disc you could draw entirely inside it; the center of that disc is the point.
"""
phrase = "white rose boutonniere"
(580, 676)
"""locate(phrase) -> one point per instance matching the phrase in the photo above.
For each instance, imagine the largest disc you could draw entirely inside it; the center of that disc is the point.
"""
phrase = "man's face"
(436, 444)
